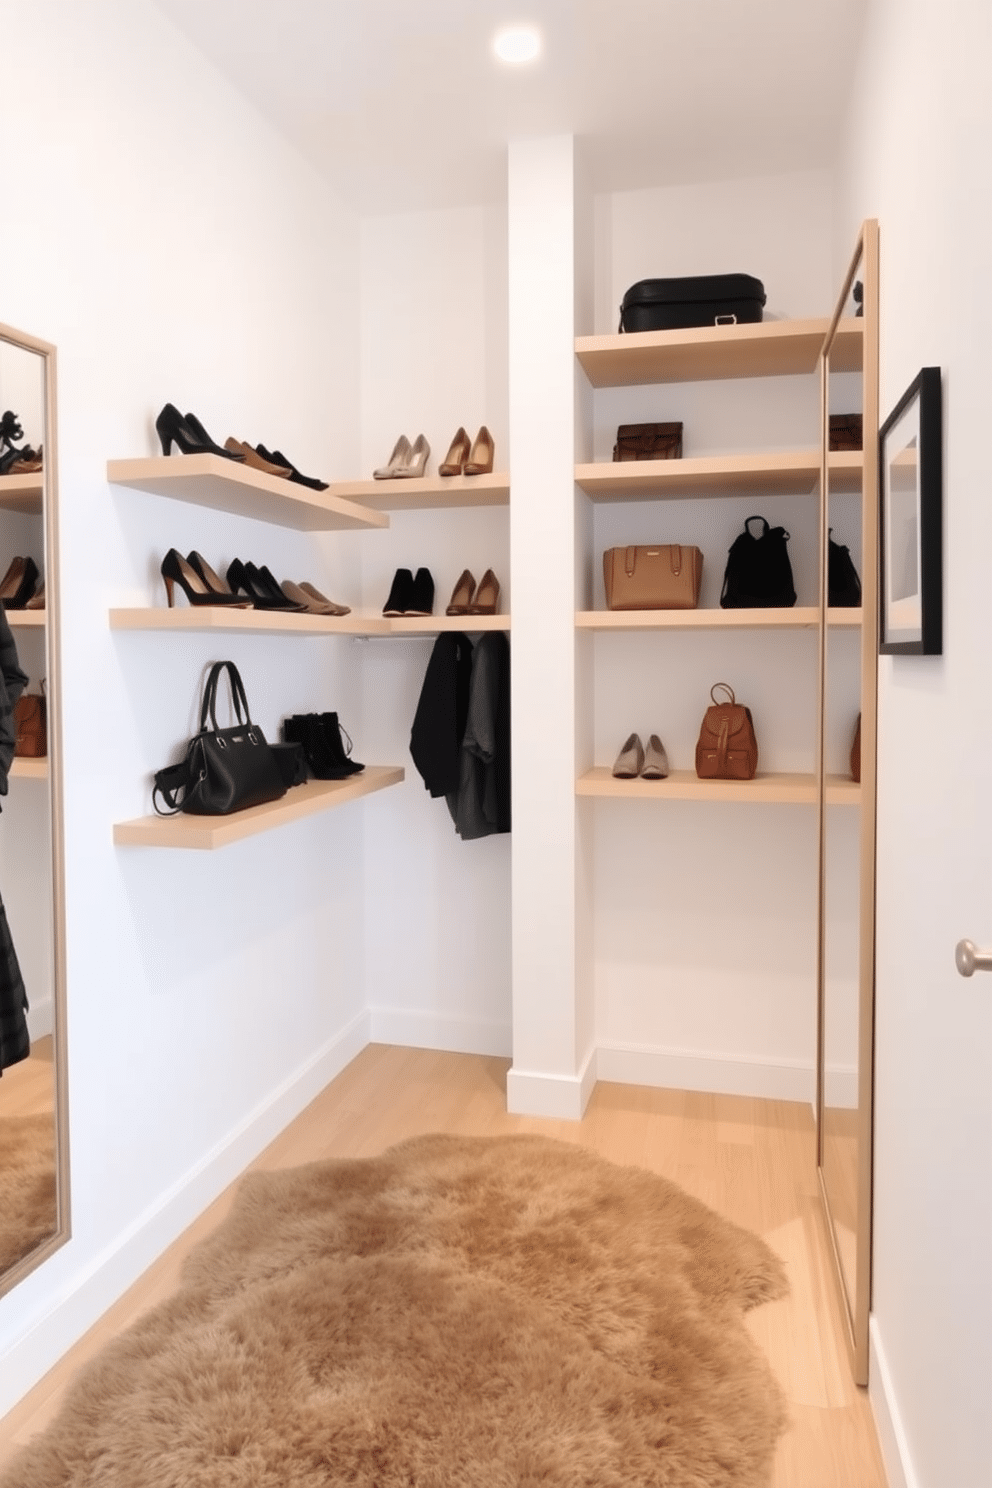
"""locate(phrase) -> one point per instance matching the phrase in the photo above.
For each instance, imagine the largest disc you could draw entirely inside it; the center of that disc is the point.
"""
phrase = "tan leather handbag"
(727, 748)
(31, 722)
(666, 577)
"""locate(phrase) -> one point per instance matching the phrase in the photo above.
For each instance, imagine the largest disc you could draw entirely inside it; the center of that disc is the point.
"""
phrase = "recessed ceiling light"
(517, 44)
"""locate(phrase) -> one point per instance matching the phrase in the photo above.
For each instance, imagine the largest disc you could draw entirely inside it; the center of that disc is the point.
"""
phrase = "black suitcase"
(706, 299)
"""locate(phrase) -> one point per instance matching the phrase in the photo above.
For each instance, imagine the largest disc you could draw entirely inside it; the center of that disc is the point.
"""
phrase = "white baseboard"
(561, 1097)
(687, 1069)
(888, 1421)
(418, 1030)
(87, 1294)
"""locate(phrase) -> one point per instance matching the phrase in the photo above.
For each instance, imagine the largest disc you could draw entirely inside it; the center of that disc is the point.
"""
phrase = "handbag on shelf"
(699, 300)
(843, 584)
(648, 442)
(31, 723)
(758, 574)
(664, 577)
(727, 748)
(225, 770)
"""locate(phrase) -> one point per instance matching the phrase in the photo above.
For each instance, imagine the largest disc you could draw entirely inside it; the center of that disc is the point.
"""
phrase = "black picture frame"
(910, 547)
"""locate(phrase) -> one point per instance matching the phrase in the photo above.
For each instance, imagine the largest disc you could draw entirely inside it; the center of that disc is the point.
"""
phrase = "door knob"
(969, 959)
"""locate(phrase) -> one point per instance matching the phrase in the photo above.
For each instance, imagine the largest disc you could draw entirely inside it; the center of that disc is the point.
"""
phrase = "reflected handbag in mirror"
(31, 721)
(224, 770)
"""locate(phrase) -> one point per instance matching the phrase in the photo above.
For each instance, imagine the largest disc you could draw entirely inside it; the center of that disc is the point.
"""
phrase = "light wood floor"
(751, 1160)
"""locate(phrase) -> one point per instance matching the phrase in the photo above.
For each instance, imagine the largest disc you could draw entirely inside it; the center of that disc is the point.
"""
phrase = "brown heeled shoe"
(483, 452)
(486, 601)
(461, 595)
(454, 460)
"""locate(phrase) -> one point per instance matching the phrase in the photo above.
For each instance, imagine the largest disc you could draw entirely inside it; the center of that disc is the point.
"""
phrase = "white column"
(553, 1060)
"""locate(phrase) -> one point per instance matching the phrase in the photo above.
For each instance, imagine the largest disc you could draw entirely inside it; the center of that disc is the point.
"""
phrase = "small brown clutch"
(665, 577)
(31, 721)
(845, 431)
(648, 442)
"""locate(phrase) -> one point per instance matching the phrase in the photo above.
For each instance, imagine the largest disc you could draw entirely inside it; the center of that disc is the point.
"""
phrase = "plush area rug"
(507, 1312)
(27, 1185)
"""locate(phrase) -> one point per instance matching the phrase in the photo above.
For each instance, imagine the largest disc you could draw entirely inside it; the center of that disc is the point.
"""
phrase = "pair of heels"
(407, 462)
(409, 595)
(467, 457)
(319, 735)
(198, 581)
(634, 760)
(17, 586)
(189, 436)
(469, 599)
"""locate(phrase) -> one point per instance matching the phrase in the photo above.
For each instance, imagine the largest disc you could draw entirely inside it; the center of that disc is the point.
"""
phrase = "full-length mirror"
(846, 950)
(34, 1159)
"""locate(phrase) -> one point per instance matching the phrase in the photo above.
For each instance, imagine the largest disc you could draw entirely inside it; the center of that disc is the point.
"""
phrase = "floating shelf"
(206, 832)
(772, 348)
(224, 485)
(799, 617)
(27, 619)
(22, 493)
(276, 622)
(770, 474)
(685, 785)
(431, 491)
(22, 768)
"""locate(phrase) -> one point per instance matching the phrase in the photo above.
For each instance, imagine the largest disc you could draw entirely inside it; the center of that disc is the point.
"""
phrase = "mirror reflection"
(29, 1023)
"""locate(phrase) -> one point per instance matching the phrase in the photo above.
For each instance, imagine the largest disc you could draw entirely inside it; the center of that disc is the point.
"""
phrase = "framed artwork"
(910, 522)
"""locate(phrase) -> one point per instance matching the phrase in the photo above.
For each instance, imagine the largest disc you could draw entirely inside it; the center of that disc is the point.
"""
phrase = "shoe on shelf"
(276, 457)
(400, 593)
(482, 454)
(260, 587)
(37, 600)
(188, 434)
(415, 463)
(17, 584)
(630, 761)
(454, 460)
(27, 461)
(486, 601)
(176, 570)
(461, 595)
(320, 736)
(655, 765)
(212, 580)
(316, 603)
(422, 598)
(394, 465)
(253, 459)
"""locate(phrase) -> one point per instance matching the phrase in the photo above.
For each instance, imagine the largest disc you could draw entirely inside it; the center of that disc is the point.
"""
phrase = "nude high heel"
(416, 461)
(483, 452)
(394, 465)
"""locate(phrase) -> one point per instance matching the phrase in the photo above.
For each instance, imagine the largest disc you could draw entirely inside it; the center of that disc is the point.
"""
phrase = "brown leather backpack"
(727, 748)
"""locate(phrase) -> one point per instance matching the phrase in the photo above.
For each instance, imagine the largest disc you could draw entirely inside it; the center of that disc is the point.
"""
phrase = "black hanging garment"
(758, 574)
(15, 1041)
(843, 584)
(439, 722)
(481, 805)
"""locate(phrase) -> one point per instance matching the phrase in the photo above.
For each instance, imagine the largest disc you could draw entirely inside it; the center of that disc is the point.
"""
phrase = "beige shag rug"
(27, 1185)
(502, 1312)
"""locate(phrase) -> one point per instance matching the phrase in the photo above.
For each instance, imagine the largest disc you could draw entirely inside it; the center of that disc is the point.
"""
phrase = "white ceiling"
(400, 104)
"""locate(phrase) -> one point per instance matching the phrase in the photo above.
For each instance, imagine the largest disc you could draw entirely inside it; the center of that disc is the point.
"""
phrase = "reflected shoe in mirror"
(37, 600)
(486, 601)
(400, 593)
(655, 760)
(188, 434)
(454, 461)
(422, 598)
(28, 461)
(483, 452)
(176, 570)
(461, 595)
(630, 761)
(253, 459)
(394, 465)
(276, 457)
(312, 599)
(17, 584)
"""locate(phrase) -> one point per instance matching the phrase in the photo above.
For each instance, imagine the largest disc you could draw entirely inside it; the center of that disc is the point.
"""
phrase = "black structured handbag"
(843, 584)
(225, 770)
(758, 574)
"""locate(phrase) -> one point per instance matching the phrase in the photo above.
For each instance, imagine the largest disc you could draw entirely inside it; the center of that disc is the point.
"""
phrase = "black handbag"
(758, 574)
(843, 584)
(225, 770)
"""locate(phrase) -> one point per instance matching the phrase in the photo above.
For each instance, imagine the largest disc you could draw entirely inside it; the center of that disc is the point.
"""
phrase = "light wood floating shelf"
(22, 768)
(770, 474)
(224, 485)
(685, 785)
(799, 617)
(772, 348)
(276, 622)
(431, 491)
(22, 493)
(28, 619)
(206, 832)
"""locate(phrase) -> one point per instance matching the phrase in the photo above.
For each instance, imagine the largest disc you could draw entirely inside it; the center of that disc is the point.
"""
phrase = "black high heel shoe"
(276, 457)
(175, 570)
(17, 584)
(189, 435)
(260, 587)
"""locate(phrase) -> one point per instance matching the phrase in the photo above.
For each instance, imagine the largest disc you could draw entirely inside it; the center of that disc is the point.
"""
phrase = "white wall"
(917, 158)
(705, 918)
(174, 250)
